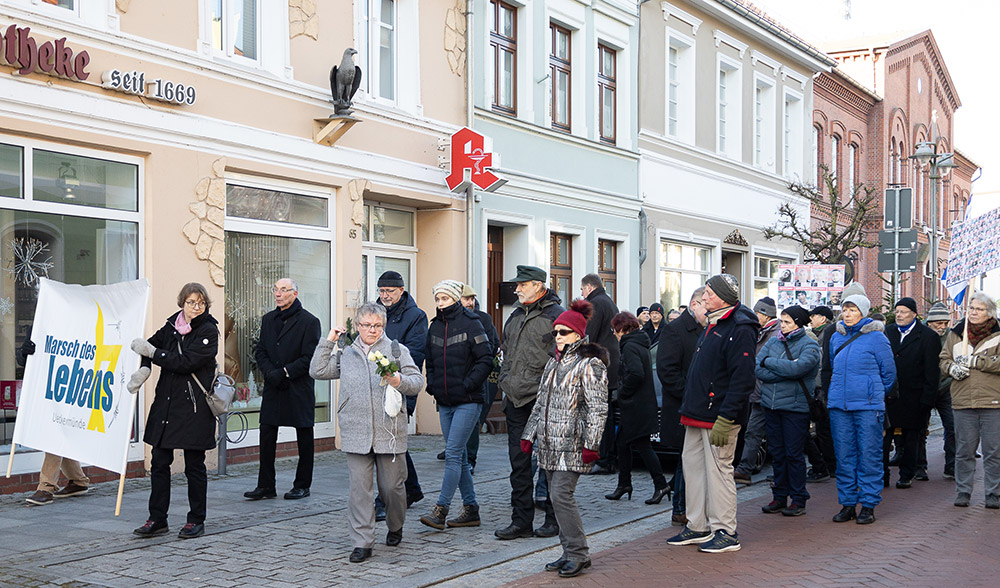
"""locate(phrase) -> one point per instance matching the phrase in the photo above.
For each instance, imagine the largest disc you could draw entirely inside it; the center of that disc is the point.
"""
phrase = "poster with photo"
(810, 285)
(974, 248)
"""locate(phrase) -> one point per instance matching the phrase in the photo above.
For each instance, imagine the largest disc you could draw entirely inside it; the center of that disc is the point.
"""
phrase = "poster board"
(810, 285)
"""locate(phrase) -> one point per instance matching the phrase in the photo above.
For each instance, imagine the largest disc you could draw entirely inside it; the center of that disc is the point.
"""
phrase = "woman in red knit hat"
(566, 425)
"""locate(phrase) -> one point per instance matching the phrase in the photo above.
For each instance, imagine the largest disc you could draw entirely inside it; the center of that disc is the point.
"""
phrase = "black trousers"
(608, 447)
(197, 481)
(649, 459)
(521, 482)
(819, 449)
(909, 451)
(268, 447)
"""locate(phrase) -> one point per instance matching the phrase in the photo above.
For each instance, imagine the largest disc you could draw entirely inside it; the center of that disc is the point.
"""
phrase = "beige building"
(724, 124)
(191, 141)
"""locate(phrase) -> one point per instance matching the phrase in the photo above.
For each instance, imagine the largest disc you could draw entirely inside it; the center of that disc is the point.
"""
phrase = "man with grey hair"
(288, 336)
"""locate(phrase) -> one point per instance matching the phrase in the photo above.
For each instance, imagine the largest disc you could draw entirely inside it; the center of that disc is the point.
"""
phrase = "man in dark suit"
(673, 356)
(288, 336)
(599, 331)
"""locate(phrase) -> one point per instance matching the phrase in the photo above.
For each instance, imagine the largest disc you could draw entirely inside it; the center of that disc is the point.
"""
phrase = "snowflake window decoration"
(26, 263)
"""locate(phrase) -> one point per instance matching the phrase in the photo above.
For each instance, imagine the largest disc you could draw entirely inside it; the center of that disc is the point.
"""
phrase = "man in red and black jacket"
(719, 382)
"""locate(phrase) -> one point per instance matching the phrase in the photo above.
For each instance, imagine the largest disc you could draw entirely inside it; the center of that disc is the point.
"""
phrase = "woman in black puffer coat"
(184, 348)
(637, 402)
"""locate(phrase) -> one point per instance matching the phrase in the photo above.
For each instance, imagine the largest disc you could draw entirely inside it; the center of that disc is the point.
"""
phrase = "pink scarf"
(182, 326)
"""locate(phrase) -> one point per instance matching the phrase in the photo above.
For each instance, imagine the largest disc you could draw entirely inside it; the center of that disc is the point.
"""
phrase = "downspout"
(643, 223)
(470, 192)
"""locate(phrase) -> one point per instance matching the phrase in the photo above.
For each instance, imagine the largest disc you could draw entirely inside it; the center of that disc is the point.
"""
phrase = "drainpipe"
(470, 192)
(643, 223)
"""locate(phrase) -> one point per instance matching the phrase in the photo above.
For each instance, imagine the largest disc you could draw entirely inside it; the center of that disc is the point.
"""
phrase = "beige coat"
(982, 388)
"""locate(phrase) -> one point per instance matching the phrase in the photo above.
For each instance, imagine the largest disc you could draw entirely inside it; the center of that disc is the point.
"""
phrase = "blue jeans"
(457, 423)
(787, 433)
(857, 440)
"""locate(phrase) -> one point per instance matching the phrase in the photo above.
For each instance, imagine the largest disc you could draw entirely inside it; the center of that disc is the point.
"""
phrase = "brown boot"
(437, 517)
(467, 517)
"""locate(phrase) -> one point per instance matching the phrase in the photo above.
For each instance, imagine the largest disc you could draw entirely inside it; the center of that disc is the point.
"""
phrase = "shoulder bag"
(815, 409)
(223, 389)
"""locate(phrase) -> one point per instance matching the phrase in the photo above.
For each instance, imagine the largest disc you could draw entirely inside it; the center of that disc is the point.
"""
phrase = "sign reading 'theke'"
(20, 50)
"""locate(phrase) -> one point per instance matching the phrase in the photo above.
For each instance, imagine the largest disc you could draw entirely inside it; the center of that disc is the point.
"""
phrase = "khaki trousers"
(709, 491)
(48, 479)
(390, 474)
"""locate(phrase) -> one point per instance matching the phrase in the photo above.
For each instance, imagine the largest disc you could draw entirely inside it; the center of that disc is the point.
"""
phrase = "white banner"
(74, 402)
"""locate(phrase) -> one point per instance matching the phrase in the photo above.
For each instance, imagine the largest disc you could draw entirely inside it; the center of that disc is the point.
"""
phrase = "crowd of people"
(578, 389)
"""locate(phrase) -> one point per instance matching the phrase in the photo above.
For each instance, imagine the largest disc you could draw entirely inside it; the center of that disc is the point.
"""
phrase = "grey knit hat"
(861, 301)
(938, 312)
(450, 288)
(767, 307)
(726, 287)
(854, 288)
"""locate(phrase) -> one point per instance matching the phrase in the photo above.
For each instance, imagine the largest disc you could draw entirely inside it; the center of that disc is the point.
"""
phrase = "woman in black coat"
(637, 402)
(179, 418)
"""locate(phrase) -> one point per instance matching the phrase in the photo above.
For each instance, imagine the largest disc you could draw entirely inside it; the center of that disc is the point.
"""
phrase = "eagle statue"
(344, 82)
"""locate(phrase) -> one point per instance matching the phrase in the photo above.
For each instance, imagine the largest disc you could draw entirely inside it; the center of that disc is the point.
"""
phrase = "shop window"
(387, 244)
(254, 262)
(84, 240)
(235, 26)
(276, 205)
(683, 269)
(559, 71)
(607, 266)
(765, 276)
(388, 226)
(561, 265)
(503, 43)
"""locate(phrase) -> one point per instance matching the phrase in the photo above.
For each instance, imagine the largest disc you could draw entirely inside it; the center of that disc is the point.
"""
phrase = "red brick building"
(868, 116)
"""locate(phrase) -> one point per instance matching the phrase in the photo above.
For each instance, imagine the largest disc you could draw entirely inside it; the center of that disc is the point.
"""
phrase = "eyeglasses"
(371, 326)
(561, 332)
(384, 291)
(195, 303)
(282, 290)
(977, 309)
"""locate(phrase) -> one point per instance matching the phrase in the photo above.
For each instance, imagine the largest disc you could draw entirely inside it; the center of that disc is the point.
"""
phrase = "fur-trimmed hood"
(589, 350)
(868, 325)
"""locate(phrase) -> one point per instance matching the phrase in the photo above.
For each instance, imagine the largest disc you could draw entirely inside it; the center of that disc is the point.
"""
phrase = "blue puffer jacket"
(779, 376)
(864, 371)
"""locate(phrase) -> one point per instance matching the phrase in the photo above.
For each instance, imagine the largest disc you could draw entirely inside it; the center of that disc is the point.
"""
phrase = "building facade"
(724, 125)
(193, 141)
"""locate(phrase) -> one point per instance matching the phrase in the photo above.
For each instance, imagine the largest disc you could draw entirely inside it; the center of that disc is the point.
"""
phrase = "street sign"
(907, 240)
(904, 197)
(907, 261)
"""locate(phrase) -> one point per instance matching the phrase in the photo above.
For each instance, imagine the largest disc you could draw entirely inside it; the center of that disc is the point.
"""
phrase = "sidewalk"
(918, 539)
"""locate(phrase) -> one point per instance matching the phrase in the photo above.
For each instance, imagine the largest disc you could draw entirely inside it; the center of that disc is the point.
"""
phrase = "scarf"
(979, 332)
(183, 327)
(287, 313)
(781, 336)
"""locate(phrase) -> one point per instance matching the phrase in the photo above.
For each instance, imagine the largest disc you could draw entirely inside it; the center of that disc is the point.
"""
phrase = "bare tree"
(844, 222)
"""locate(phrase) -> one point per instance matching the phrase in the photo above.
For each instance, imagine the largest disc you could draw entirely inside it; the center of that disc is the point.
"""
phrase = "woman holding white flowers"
(372, 426)
(459, 359)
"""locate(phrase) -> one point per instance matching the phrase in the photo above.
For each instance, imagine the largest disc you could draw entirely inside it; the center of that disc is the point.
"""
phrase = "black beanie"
(908, 303)
(798, 314)
(390, 279)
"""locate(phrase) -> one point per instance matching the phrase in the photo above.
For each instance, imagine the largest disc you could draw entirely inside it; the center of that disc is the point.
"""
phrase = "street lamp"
(926, 152)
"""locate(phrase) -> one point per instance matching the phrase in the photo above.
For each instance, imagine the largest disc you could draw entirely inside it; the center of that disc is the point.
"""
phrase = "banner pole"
(121, 490)
(10, 462)
(969, 289)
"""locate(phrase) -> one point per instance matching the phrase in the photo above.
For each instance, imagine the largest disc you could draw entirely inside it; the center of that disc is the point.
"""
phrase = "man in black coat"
(916, 348)
(406, 323)
(673, 356)
(599, 331)
(288, 336)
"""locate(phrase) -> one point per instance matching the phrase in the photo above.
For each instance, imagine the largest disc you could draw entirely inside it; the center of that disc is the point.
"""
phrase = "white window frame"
(406, 55)
(294, 231)
(764, 124)
(729, 108)
(97, 15)
(835, 142)
(684, 84)
(852, 178)
(580, 250)
(688, 240)
(771, 254)
(792, 110)
(623, 267)
(272, 38)
(31, 461)
(371, 249)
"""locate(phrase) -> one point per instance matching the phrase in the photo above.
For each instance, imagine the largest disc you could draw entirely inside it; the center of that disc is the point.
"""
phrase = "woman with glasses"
(370, 438)
(971, 359)
(179, 417)
(566, 425)
(459, 358)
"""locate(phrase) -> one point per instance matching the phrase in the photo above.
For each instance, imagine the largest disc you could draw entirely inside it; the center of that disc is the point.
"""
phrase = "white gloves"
(958, 372)
(963, 360)
(137, 379)
(143, 347)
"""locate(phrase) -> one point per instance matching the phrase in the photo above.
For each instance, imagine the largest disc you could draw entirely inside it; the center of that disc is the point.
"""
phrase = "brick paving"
(918, 539)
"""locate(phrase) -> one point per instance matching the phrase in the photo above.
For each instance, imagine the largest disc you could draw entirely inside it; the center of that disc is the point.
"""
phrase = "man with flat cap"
(527, 346)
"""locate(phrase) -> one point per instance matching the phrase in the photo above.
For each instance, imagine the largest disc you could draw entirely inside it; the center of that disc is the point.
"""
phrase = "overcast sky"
(964, 31)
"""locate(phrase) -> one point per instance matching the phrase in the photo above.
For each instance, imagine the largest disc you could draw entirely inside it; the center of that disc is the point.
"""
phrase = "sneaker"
(467, 517)
(191, 530)
(40, 498)
(950, 474)
(921, 475)
(774, 506)
(814, 476)
(689, 537)
(721, 543)
(741, 478)
(794, 510)
(963, 499)
(436, 518)
(866, 516)
(992, 501)
(846, 514)
(71, 489)
(152, 529)
(904, 483)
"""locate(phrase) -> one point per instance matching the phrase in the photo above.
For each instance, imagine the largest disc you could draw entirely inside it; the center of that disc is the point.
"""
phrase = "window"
(680, 87)
(235, 28)
(852, 163)
(77, 227)
(763, 124)
(67, 4)
(607, 266)
(559, 71)
(792, 134)
(503, 42)
(388, 243)
(683, 269)
(728, 98)
(817, 151)
(606, 90)
(378, 47)
(835, 159)
(275, 205)
(765, 276)
(561, 265)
